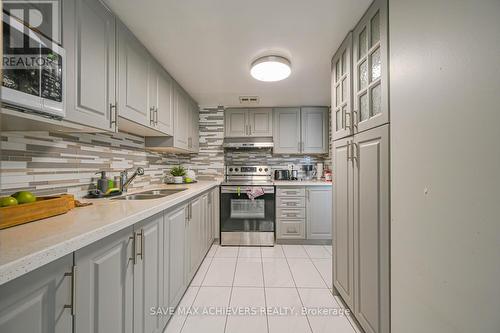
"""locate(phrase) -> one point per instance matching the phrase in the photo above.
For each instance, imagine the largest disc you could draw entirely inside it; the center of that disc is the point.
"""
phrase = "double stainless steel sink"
(151, 194)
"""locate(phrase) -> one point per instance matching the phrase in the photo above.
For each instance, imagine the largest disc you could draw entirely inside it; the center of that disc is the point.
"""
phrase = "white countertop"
(26, 247)
(302, 183)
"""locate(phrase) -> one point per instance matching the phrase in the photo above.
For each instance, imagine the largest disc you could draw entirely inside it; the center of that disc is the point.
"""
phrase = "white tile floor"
(263, 281)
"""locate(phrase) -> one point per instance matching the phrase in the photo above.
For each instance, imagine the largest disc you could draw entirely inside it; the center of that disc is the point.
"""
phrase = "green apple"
(188, 180)
(24, 197)
(8, 201)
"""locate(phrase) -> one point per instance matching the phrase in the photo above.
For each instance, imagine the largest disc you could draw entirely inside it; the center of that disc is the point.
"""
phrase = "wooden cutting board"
(42, 208)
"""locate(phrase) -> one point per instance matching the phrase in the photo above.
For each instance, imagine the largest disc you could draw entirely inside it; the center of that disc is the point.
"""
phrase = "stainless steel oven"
(244, 221)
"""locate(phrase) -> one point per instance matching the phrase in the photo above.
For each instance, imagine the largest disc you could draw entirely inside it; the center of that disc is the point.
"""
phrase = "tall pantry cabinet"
(360, 130)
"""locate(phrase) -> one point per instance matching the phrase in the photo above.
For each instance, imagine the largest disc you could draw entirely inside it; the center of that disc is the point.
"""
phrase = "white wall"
(445, 137)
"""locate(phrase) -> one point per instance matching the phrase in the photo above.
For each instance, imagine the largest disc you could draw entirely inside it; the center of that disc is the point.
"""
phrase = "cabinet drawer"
(292, 202)
(291, 192)
(291, 229)
(291, 213)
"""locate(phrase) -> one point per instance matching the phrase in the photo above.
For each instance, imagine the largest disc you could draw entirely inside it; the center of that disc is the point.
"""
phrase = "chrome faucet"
(125, 181)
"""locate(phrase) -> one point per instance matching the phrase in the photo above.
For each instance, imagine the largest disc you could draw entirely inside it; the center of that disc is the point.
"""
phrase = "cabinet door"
(286, 133)
(165, 298)
(314, 130)
(35, 302)
(181, 119)
(148, 274)
(371, 229)
(204, 223)
(177, 221)
(260, 122)
(161, 100)
(133, 78)
(194, 142)
(104, 285)
(343, 220)
(236, 122)
(319, 213)
(370, 82)
(89, 40)
(342, 90)
(193, 236)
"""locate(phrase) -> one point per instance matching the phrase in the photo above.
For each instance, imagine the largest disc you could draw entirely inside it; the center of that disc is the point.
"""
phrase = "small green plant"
(178, 171)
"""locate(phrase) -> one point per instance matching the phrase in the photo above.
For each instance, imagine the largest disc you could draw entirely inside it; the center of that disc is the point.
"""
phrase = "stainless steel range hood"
(248, 143)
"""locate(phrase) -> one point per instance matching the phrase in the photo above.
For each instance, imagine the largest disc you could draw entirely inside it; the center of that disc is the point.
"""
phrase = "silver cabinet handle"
(355, 151)
(113, 115)
(141, 237)
(132, 238)
(72, 306)
(249, 129)
(291, 204)
(156, 115)
(151, 116)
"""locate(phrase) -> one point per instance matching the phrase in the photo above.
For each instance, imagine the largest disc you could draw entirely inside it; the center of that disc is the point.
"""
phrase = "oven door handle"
(239, 189)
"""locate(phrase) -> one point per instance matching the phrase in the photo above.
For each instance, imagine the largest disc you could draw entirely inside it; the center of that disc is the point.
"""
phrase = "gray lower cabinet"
(301, 130)
(104, 285)
(193, 236)
(89, 40)
(303, 212)
(36, 302)
(177, 221)
(148, 274)
(343, 221)
(361, 203)
(319, 219)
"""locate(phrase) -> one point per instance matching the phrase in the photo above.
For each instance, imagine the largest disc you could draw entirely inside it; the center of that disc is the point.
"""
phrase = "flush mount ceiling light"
(270, 68)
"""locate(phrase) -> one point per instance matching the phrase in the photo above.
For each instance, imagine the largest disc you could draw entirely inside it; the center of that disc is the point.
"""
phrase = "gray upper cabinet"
(342, 125)
(236, 122)
(36, 302)
(194, 130)
(257, 122)
(371, 229)
(161, 100)
(314, 129)
(133, 79)
(370, 64)
(319, 219)
(286, 131)
(177, 221)
(104, 285)
(181, 119)
(260, 122)
(89, 40)
(301, 130)
(343, 220)
(148, 274)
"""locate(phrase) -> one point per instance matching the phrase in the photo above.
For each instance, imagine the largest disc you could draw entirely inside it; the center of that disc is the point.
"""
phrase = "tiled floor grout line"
(199, 287)
(296, 288)
(312, 261)
(264, 289)
(232, 286)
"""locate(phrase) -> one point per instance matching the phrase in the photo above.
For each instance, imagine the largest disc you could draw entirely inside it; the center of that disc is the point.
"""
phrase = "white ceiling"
(208, 45)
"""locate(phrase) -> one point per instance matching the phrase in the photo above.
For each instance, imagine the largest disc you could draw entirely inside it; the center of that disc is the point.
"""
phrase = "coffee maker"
(309, 171)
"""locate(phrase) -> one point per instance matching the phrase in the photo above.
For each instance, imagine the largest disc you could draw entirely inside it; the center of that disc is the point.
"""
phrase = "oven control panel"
(237, 170)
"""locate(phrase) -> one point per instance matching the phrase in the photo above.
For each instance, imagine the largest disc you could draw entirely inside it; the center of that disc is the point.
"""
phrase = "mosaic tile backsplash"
(53, 162)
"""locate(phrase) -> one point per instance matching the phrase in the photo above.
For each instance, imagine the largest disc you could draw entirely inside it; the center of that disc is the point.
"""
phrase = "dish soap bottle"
(102, 183)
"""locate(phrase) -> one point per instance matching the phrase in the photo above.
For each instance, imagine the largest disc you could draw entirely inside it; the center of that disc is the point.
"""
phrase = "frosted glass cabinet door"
(370, 67)
(342, 90)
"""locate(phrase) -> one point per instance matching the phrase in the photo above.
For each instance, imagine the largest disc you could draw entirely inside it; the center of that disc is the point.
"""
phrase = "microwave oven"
(33, 71)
